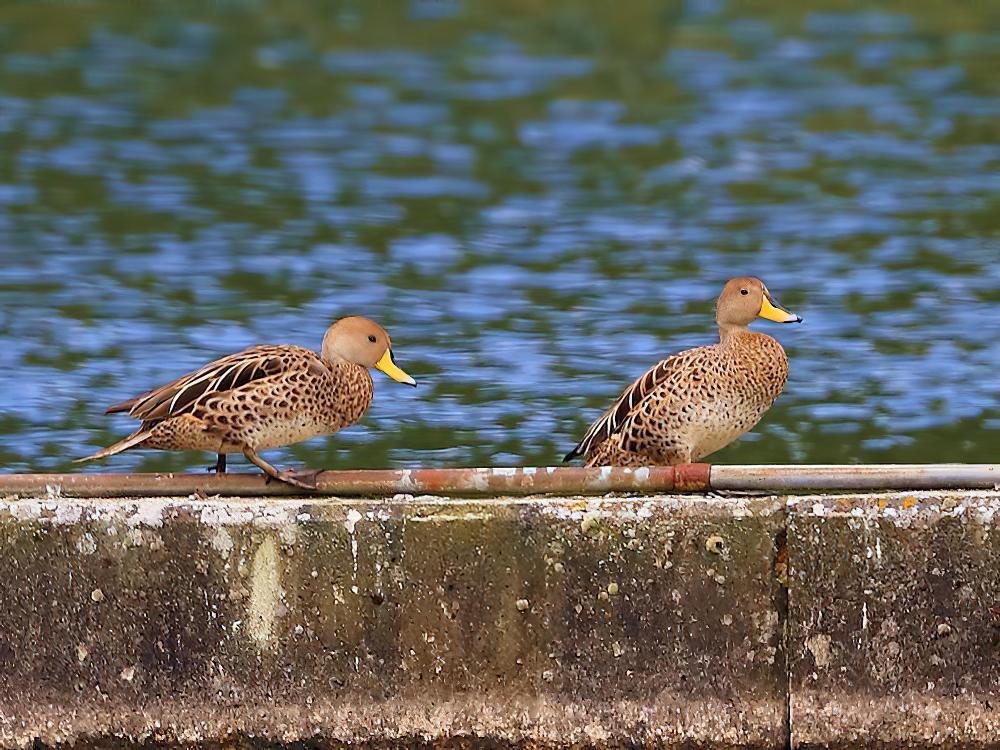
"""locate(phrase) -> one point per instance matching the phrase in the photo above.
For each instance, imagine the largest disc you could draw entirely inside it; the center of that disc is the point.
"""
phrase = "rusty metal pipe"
(563, 480)
(503, 482)
(789, 478)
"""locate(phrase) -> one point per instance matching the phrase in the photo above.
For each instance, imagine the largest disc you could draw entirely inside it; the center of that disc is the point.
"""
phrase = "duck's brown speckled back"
(304, 399)
(703, 400)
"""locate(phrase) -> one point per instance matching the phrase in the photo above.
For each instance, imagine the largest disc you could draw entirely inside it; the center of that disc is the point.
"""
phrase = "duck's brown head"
(363, 342)
(745, 298)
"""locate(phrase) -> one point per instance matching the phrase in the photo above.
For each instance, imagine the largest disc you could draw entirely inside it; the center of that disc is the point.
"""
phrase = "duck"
(264, 397)
(697, 401)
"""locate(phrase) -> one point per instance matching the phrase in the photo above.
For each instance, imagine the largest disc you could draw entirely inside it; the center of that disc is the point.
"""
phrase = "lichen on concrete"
(660, 622)
(894, 627)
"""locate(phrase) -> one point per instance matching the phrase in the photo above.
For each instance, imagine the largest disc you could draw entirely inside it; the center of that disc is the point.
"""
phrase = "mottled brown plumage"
(264, 397)
(700, 400)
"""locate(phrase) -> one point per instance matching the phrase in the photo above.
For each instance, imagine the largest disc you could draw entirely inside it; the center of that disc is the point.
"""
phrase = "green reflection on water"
(583, 177)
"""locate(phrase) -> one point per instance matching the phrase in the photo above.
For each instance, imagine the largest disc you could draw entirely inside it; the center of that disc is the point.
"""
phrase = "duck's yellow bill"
(771, 310)
(388, 366)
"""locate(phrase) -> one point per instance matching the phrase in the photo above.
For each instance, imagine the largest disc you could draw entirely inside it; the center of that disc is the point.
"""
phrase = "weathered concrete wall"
(894, 621)
(646, 622)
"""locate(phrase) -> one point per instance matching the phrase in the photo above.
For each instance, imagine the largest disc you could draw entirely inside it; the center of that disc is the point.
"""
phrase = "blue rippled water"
(538, 202)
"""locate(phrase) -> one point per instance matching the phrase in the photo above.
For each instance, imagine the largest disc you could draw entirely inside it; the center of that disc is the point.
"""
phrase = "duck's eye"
(372, 339)
(744, 292)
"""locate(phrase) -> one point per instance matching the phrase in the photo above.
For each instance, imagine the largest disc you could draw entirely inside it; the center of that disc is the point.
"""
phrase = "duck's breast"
(748, 378)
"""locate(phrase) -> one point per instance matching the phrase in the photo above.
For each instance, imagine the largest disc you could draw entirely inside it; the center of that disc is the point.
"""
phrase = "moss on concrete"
(894, 620)
(573, 622)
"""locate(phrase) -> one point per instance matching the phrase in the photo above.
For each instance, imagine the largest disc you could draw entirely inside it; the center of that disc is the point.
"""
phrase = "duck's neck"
(730, 334)
(331, 359)
(336, 363)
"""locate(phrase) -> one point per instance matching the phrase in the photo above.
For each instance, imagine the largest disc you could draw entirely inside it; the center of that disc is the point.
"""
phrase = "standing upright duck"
(265, 397)
(700, 400)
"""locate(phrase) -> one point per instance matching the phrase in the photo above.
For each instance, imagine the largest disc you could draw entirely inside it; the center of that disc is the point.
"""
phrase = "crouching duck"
(697, 401)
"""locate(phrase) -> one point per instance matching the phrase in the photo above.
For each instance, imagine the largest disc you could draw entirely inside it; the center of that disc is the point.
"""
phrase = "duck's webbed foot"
(303, 479)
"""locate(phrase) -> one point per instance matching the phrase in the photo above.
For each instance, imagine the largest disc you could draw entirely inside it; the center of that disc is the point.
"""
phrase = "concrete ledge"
(416, 622)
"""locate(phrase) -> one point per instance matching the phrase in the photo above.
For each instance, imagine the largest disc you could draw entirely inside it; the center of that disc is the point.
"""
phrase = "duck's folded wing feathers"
(225, 374)
(616, 416)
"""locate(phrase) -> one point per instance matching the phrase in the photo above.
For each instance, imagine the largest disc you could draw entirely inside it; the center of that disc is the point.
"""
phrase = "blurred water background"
(538, 200)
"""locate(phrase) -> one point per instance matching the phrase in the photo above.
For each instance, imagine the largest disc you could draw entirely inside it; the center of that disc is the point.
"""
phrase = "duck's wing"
(225, 374)
(617, 415)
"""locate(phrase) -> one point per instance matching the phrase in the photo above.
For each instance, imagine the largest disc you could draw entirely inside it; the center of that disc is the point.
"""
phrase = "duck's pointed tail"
(122, 445)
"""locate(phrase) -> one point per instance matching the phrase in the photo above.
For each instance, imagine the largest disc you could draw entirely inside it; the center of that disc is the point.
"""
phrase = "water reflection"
(537, 202)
